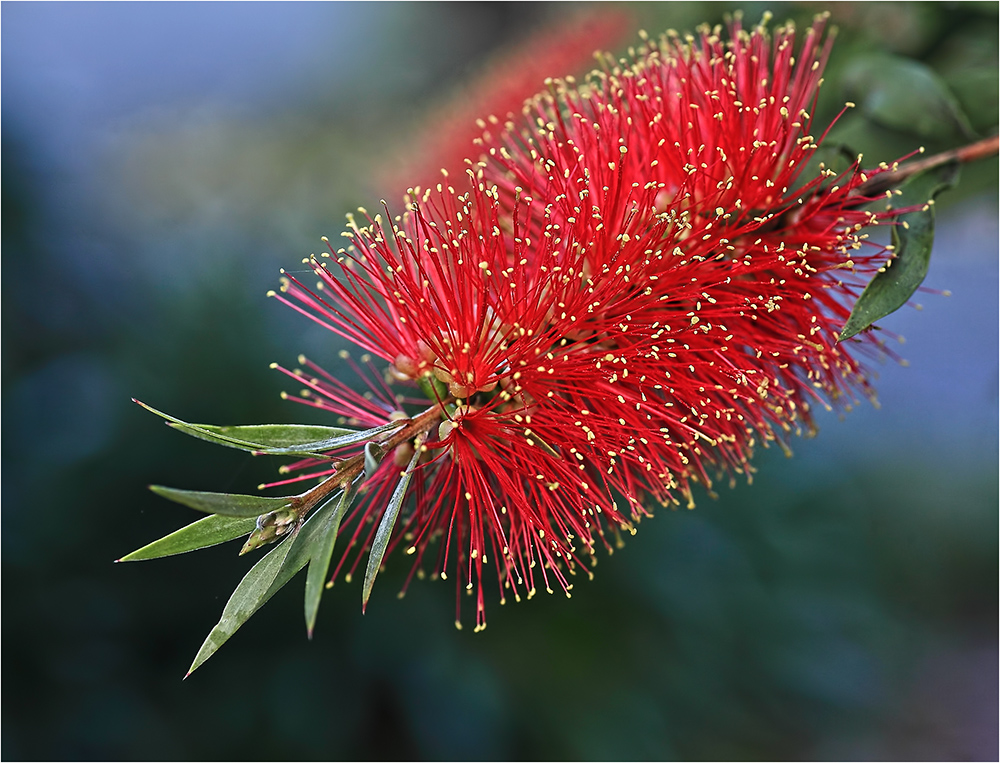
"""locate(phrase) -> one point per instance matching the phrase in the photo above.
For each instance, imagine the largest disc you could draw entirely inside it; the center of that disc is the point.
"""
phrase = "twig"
(886, 180)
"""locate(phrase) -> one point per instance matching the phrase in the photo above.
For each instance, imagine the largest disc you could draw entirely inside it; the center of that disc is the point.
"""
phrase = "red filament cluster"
(637, 283)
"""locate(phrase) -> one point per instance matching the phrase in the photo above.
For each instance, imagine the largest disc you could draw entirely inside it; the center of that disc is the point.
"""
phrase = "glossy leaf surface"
(265, 579)
(277, 435)
(238, 436)
(206, 532)
(343, 438)
(912, 239)
(319, 564)
(253, 590)
(227, 504)
(384, 531)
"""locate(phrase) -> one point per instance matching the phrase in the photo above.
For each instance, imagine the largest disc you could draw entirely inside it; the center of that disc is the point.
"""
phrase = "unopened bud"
(263, 535)
(402, 455)
(406, 366)
(445, 428)
(278, 518)
(426, 353)
(459, 390)
(442, 376)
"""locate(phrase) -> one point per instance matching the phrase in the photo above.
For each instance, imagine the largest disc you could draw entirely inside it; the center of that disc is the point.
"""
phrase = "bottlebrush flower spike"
(522, 470)
(641, 274)
(711, 138)
(634, 287)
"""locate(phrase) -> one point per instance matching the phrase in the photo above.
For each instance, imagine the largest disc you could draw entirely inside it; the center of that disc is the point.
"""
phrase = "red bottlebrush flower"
(512, 77)
(633, 290)
(451, 299)
(636, 284)
(709, 139)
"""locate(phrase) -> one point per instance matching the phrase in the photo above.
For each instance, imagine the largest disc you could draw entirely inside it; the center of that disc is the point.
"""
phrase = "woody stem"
(349, 469)
(970, 153)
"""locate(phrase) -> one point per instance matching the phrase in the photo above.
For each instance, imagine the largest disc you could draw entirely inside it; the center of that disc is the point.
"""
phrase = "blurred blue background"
(161, 162)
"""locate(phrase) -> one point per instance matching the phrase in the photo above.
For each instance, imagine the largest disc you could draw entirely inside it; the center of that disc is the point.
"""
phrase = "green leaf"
(227, 504)
(912, 240)
(384, 531)
(316, 448)
(196, 430)
(206, 532)
(906, 95)
(226, 435)
(251, 593)
(343, 441)
(319, 564)
(276, 436)
(265, 579)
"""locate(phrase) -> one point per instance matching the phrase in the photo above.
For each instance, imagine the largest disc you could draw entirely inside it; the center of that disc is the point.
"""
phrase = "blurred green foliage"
(843, 606)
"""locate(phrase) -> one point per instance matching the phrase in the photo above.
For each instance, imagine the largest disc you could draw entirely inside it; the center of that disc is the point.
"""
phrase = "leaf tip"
(848, 332)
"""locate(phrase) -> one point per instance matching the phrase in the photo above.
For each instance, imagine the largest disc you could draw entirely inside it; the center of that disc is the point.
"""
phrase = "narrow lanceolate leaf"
(912, 239)
(197, 430)
(249, 596)
(278, 435)
(266, 578)
(279, 439)
(227, 504)
(384, 531)
(319, 564)
(336, 442)
(311, 448)
(206, 532)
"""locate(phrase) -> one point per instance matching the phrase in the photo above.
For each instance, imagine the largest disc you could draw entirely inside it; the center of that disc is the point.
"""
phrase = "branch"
(882, 182)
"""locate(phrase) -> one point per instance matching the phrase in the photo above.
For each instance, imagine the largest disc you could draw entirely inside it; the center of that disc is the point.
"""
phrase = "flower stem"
(970, 153)
(350, 469)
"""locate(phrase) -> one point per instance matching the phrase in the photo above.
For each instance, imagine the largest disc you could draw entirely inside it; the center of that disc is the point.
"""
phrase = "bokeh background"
(161, 162)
